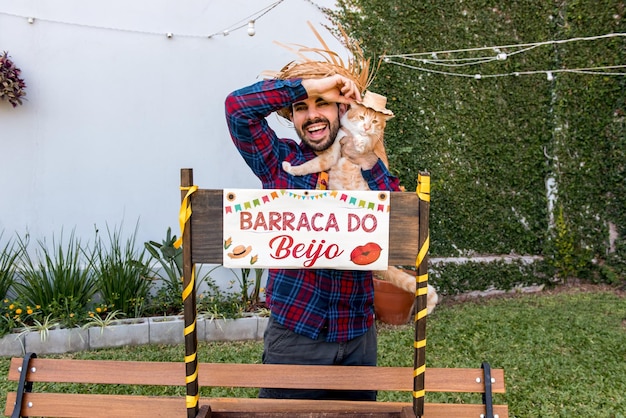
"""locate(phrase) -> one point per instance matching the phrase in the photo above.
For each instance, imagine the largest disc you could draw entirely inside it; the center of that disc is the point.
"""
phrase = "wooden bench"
(44, 403)
(202, 222)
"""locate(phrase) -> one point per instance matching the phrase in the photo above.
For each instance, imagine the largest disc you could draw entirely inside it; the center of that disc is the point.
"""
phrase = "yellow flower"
(18, 311)
(71, 315)
(38, 306)
(29, 311)
(11, 306)
(91, 314)
(98, 309)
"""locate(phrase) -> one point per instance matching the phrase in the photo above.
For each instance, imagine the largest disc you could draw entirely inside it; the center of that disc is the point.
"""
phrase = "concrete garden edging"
(166, 330)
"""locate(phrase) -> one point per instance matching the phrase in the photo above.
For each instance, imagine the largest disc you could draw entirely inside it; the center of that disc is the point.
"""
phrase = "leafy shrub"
(214, 304)
(614, 271)
(58, 279)
(8, 254)
(454, 279)
(168, 298)
(15, 315)
(171, 260)
(250, 292)
(122, 273)
(564, 253)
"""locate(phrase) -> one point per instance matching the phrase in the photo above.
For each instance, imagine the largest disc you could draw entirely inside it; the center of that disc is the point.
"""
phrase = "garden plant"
(67, 283)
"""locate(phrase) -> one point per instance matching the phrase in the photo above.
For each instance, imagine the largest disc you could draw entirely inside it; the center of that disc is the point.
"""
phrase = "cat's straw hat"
(376, 102)
(357, 68)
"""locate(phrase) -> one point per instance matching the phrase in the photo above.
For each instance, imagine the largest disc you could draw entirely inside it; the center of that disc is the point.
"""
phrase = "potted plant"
(11, 85)
(392, 304)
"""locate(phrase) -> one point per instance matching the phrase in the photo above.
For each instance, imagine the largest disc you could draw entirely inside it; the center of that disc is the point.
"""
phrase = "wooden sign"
(346, 230)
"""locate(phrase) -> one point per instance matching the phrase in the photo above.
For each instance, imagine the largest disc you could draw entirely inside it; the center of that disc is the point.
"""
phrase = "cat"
(366, 127)
(365, 122)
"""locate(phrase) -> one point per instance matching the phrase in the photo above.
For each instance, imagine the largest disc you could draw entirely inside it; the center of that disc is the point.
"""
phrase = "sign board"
(346, 230)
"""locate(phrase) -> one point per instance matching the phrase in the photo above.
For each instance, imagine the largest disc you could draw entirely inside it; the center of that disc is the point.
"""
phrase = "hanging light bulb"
(251, 29)
(550, 76)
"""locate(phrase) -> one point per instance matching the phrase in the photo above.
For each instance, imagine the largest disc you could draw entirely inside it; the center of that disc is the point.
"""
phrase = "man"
(317, 316)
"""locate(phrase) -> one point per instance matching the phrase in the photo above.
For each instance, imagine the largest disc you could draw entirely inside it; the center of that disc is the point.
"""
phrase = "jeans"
(283, 346)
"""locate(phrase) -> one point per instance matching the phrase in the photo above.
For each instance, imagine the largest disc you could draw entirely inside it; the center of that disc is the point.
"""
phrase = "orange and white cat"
(365, 126)
(365, 122)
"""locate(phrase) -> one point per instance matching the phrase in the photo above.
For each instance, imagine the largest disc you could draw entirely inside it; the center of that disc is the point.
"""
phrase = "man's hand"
(336, 88)
(366, 160)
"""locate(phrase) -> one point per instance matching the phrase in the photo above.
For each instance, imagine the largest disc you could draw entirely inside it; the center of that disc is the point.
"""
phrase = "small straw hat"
(375, 102)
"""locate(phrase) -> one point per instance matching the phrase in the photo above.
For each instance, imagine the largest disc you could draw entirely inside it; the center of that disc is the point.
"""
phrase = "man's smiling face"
(316, 122)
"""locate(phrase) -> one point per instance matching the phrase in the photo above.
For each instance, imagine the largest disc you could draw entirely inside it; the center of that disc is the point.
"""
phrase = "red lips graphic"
(365, 254)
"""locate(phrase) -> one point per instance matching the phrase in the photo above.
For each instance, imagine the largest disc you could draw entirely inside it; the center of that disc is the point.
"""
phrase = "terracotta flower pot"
(392, 305)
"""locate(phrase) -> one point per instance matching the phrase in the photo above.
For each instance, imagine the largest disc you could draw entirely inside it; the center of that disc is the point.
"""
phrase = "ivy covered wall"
(492, 144)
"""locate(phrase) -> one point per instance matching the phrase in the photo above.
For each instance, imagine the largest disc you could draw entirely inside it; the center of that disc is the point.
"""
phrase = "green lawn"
(564, 353)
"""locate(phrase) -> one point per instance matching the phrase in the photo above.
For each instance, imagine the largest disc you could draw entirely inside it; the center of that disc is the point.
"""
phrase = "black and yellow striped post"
(189, 295)
(421, 298)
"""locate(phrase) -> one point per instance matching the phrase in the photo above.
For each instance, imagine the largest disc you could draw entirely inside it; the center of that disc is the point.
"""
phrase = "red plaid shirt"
(305, 301)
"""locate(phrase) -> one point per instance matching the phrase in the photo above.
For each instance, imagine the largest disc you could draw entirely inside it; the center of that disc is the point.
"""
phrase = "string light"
(589, 71)
(425, 58)
(431, 58)
(499, 48)
(248, 22)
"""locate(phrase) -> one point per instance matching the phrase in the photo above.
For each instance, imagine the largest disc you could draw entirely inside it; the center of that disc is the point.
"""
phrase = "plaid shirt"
(305, 301)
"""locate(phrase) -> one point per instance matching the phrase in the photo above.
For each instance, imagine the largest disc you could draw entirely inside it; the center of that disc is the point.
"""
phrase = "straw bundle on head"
(356, 68)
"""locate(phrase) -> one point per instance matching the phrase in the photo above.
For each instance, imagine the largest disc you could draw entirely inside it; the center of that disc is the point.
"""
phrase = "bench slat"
(63, 405)
(255, 375)
(102, 371)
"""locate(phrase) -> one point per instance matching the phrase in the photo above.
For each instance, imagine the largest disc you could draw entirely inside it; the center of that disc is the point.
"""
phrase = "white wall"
(112, 115)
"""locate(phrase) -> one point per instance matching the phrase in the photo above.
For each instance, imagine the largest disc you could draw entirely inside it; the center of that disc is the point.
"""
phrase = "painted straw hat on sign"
(240, 251)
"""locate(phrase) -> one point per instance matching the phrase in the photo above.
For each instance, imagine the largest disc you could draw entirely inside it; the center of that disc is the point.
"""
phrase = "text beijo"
(284, 246)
